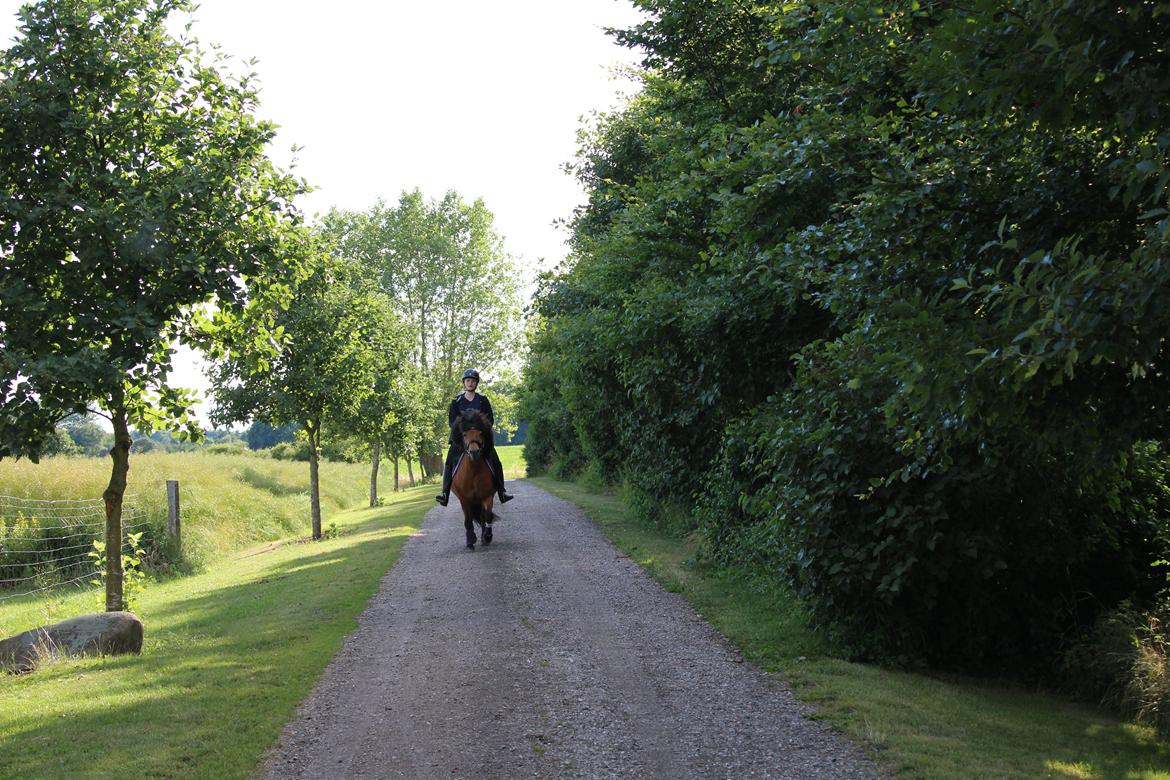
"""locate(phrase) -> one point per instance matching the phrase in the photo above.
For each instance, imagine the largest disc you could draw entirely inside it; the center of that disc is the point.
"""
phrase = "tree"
(445, 269)
(894, 277)
(260, 435)
(332, 342)
(390, 417)
(134, 189)
(89, 437)
(60, 444)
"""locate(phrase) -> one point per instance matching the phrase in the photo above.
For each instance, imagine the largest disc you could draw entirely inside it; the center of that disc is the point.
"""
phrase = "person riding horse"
(469, 399)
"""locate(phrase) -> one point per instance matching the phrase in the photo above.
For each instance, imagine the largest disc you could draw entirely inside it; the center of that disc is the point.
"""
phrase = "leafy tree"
(86, 434)
(331, 344)
(893, 277)
(61, 444)
(503, 389)
(260, 435)
(444, 267)
(134, 188)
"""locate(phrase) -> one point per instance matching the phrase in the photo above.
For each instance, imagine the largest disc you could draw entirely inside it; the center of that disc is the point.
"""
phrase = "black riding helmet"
(471, 373)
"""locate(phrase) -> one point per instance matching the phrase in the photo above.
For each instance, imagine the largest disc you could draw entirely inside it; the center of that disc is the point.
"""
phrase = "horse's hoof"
(471, 546)
(487, 536)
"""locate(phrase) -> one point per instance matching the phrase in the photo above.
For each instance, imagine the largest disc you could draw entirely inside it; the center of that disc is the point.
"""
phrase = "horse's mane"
(471, 420)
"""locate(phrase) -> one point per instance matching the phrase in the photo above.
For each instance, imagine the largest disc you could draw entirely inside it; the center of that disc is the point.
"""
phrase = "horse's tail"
(481, 514)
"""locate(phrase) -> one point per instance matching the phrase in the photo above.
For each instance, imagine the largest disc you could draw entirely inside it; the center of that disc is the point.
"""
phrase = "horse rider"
(469, 399)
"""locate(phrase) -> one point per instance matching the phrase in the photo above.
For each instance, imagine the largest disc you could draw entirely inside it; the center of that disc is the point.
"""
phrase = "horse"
(473, 482)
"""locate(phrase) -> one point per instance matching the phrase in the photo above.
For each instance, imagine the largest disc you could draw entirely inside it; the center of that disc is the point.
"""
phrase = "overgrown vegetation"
(885, 288)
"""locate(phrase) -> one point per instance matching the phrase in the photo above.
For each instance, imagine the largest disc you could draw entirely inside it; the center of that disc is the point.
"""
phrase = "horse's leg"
(477, 516)
(463, 489)
(485, 511)
(486, 514)
(468, 512)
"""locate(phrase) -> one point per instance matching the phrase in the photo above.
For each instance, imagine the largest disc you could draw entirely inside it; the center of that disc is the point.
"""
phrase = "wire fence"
(47, 544)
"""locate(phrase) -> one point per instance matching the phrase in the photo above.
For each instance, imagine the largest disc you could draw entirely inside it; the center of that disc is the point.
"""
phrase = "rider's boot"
(505, 497)
(446, 494)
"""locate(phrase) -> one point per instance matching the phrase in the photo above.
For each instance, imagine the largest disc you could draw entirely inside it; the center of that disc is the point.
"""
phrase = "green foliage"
(1124, 662)
(443, 268)
(134, 188)
(291, 450)
(61, 443)
(332, 342)
(889, 283)
(133, 575)
(260, 435)
(87, 436)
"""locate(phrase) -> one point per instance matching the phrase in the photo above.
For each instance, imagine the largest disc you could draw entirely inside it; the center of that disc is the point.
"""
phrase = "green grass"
(228, 501)
(918, 725)
(228, 656)
(512, 459)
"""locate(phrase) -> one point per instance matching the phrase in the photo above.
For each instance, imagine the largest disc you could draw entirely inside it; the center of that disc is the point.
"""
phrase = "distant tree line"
(875, 297)
(82, 435)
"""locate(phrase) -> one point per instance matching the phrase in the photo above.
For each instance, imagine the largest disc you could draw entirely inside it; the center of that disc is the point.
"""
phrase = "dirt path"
(547, 654)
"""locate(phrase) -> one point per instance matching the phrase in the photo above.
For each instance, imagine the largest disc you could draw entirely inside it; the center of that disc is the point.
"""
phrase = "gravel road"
(546, 654)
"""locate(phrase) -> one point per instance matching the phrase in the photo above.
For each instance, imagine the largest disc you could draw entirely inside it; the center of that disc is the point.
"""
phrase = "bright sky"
(481, 97)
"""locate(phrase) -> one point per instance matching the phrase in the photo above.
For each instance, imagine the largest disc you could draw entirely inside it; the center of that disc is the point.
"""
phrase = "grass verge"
(228, 656)
(919, 726)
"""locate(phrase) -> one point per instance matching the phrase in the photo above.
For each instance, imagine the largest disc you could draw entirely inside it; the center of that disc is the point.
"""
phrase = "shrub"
(915, 541)
(290, 450)
(234, 447)
(1124, 663)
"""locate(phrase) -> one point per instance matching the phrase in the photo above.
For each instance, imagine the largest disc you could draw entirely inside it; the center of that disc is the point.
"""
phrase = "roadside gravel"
(546, 654)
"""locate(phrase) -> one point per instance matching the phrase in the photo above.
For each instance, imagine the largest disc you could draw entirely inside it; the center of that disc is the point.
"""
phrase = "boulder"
(102, 633)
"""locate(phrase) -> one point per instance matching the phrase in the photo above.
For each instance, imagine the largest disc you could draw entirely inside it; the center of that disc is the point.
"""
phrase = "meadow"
(228, 502)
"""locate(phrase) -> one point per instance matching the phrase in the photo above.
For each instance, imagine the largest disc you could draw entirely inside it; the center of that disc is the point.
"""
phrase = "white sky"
(481, 97)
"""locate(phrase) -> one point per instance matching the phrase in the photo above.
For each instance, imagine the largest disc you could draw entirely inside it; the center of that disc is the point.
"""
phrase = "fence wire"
(45, 544)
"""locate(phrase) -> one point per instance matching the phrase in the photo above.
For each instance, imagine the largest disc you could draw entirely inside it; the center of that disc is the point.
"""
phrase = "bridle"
(477, 452)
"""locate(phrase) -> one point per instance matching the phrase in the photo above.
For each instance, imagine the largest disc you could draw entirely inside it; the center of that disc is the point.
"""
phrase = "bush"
(914, 541)
(290, 450)
(1123, 662)
(233, 447)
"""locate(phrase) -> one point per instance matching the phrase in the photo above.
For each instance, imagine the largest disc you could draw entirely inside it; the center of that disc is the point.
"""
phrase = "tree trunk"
(409, 470)
(313, 430)
(396, 486)
(120, 453)
(375, 457)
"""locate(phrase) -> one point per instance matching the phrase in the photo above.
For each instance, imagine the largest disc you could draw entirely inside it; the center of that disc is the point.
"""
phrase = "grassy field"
(920, 726)
(228, 656)
(228, 501)
(512, 459)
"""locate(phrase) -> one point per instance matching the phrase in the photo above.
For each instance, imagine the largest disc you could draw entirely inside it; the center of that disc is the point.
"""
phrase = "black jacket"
(479, 403)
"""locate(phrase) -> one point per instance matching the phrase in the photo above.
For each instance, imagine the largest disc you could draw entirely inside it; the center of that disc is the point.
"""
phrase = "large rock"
(103, 633)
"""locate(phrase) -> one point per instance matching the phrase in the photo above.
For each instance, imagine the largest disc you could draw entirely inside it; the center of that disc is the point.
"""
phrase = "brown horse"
(473, 482)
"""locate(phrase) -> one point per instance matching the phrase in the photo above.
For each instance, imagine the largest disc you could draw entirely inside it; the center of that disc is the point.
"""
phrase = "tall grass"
(227, 501)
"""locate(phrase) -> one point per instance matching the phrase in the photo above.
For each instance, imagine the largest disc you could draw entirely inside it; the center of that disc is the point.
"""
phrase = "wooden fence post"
(173, 527)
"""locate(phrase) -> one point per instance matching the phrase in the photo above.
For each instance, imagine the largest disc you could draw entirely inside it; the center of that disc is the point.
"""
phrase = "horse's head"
(474, 431)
